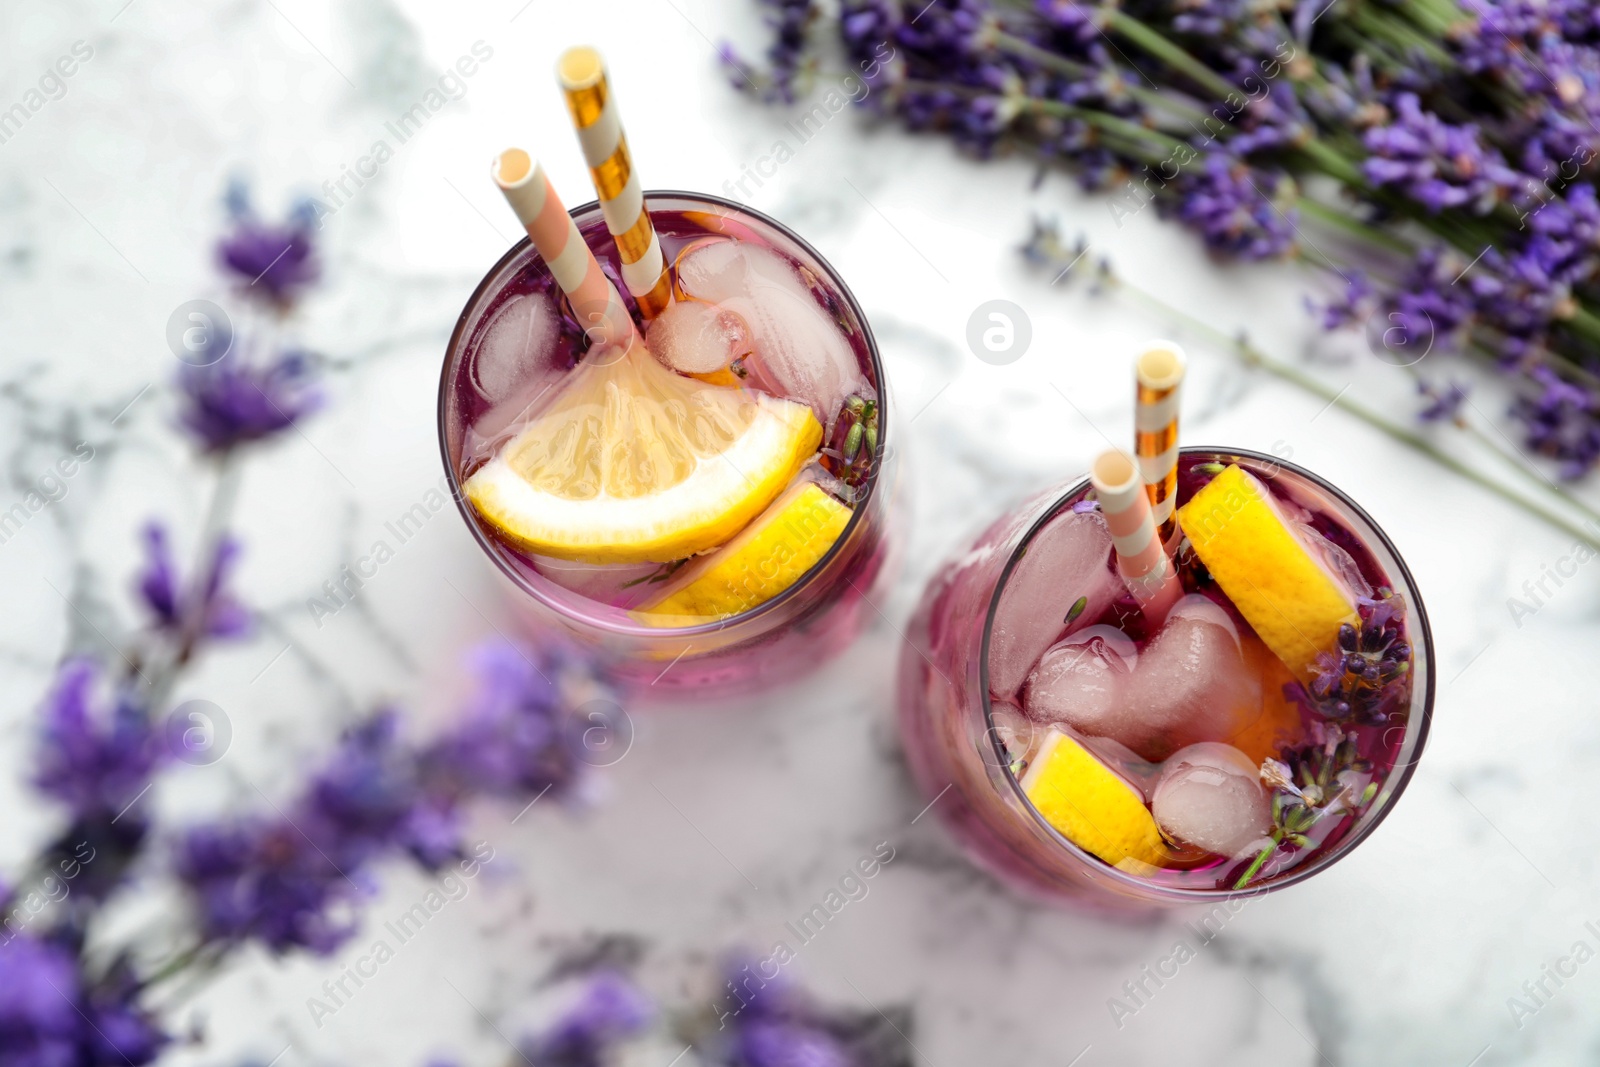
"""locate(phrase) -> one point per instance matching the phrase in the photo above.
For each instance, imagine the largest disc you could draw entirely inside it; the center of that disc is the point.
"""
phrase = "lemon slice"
(1093, 806)
(632, 463)
(1281, 585)
(766, 558)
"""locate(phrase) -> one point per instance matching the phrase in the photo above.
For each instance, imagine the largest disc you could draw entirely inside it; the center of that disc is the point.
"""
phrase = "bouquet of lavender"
(291, 876)
(1435, 157)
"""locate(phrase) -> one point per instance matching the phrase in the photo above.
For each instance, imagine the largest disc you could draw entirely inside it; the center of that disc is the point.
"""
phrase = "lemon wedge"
(766, 558)
(632, 463)
(1093, 806)
(1270, 570)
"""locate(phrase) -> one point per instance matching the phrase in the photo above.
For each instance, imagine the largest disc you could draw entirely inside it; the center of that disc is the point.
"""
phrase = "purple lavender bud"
(235, 402)
(95, 755)
(276, 262)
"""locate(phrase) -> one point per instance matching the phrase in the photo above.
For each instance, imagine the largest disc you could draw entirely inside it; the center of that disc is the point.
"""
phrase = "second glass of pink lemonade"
(1085, 752)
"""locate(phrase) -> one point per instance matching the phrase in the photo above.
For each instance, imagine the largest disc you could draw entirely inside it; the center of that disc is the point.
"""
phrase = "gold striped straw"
(1159, 372)
(605, 149)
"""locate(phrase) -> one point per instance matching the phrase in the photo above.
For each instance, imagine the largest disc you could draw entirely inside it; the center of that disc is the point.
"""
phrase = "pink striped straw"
(1141, 561)
(594, 299)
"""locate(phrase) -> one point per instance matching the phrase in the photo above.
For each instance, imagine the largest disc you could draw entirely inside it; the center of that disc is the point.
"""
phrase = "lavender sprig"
(1463, 135)
(1309, 784)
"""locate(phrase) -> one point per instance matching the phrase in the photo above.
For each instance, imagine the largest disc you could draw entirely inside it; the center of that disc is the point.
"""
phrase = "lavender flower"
(50, 1017)
(1437, 164)
(513, 738)
(291, 880)
(215, 611)
(277, 261)
(235, 402)
(609, 1009)
(1367, 677)
(1229, 204)
(95, 757)
(1562, 421)
(789, 64)
(770, 1022)
(1443, 403)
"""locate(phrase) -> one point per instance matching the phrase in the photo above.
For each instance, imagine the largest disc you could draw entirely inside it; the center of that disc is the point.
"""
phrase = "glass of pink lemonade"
(711, 513)
(1252, 736)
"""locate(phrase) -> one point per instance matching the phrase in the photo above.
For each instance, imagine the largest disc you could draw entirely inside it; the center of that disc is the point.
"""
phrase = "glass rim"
(1399, 778)
(766, 607)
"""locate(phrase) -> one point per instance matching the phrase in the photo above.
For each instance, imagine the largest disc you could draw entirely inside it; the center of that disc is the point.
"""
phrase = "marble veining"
(1407, 952)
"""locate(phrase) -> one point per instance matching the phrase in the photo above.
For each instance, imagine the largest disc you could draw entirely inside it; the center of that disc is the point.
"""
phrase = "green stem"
(1047, 60)
(1333, 164)
(1585, 323)
(1331, 215)
(1168, 52)
(1260, 860)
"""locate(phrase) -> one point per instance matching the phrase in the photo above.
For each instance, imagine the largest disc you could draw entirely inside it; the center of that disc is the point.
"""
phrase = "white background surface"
(1404, 953)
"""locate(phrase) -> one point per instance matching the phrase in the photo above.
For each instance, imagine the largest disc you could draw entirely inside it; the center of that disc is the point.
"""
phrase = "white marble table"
(1405, 953)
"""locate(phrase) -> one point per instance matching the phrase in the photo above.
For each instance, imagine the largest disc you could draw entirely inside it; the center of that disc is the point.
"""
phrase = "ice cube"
(799, 351)
(620, 584)
(1067, 560)
(1338, 562)
(1082, 681)
(1192, 684)
(1211, 796)
(1014, 730)
(695, 338)
(713, 270)
(516, 346)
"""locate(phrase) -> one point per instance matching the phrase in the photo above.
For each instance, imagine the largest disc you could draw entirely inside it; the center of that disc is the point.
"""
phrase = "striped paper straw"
(1141, 560)
(594, 113)
(595, 301)
(1160, 376)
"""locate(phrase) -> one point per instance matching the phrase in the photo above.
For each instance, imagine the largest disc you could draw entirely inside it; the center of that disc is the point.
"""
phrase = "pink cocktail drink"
(1085, 751)
(762, 340)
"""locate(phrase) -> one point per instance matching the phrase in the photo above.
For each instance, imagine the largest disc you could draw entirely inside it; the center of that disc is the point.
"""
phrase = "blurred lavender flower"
(1437, 164)
(1230, 204)
(609, 1009)
(275, 261)
(50, 1017)
(1562, 422)
(291, 880)
(1443, 403)
(770, 1022)
(218, 613)
(790, 64)
(234, 402)
(94, 757)
(514, 738)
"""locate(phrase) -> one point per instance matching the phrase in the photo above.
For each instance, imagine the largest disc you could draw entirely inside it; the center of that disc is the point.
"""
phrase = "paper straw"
(1141, 560)
(1159, 372)
(595, 301)
(605, 148)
